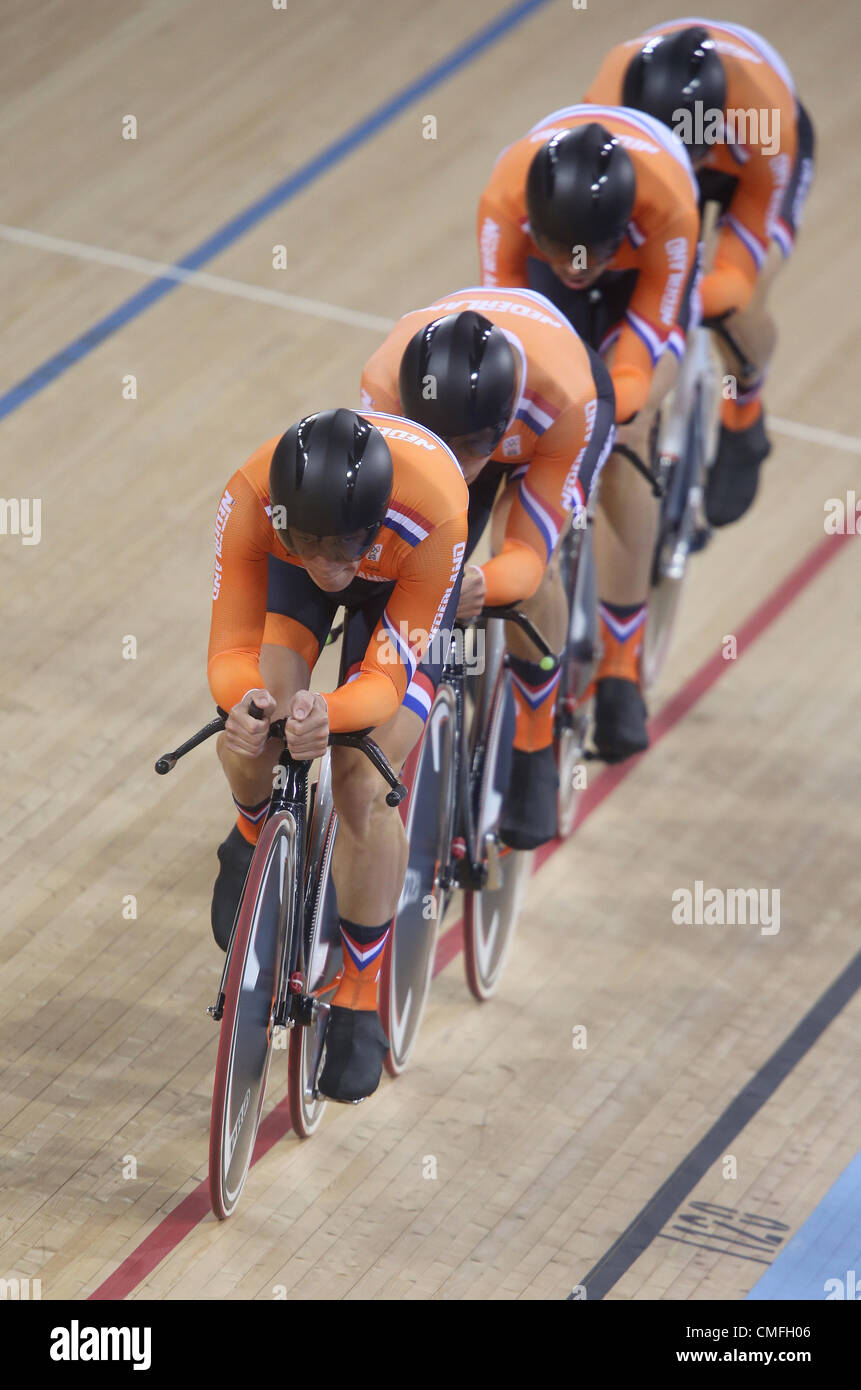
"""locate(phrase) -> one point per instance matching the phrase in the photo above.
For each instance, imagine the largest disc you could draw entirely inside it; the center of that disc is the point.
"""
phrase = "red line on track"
(195, 1207)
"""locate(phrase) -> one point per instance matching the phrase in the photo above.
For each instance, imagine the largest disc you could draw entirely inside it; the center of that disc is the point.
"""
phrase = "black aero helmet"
(458, 377)
(330, 475)
(580, 191)
(671, 74)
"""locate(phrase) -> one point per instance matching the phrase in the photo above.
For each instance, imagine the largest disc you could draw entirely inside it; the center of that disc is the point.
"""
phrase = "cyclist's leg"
(744, 445)
(290, 648)
(626, 520)
(369, 862)
(624, 541)
(530, 814)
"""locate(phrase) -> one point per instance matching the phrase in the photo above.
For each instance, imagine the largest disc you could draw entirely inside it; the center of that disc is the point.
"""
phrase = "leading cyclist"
(368, 511)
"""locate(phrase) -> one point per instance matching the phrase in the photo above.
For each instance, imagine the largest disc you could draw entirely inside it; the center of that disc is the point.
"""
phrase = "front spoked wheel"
(490, 913)
(322, 963)
(252, 991)
(428, 813)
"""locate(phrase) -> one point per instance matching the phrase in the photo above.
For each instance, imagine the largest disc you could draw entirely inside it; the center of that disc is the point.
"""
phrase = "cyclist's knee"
(755, 332)
(358, 791)
(637, 435)
(249, 779)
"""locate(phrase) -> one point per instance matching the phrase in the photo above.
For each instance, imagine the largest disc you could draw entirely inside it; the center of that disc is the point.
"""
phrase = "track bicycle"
(683, 450)
(457, 777)
(271, 980)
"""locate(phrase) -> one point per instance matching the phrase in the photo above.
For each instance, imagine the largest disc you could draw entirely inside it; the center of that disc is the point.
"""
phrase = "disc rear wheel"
(427, 814)
(490, 913)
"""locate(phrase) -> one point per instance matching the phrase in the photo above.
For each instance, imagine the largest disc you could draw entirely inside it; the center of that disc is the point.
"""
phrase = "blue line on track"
(276, 197)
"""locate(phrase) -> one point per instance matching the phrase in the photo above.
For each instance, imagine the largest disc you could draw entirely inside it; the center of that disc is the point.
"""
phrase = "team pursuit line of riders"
(503, 405)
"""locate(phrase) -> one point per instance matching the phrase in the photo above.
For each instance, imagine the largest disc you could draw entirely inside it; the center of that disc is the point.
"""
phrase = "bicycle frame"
(290, 795)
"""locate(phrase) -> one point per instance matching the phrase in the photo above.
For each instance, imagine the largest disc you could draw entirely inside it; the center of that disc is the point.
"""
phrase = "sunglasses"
(334, 548)
(479, 445)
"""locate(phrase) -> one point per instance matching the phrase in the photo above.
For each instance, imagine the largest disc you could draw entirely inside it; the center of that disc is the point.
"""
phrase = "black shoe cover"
(734, 476)
(620, 719)
(235, 855)
(355, 1048)
(529, 813)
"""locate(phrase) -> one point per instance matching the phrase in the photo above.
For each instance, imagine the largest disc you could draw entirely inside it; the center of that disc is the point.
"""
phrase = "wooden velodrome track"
(556, 1166)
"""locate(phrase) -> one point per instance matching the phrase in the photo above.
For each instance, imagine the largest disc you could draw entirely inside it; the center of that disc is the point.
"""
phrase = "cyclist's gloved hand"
(245, 734)
(307, 726)
(472, 591)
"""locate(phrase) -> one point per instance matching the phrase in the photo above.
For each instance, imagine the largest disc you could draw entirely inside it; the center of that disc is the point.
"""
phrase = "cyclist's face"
(567, 269)
(332, 575)
(472, 452)
(331, 561)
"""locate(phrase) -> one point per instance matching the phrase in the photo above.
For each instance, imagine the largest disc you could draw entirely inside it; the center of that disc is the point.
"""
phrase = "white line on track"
(812, 434)
(315, 308)
(197, 279)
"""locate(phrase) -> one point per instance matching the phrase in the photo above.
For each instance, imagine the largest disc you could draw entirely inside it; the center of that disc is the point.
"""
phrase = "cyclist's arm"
(503, 245)
(546, 491)
(398, 643)
(242, 533)
(652, 314)
(378, 392)
(744, 234)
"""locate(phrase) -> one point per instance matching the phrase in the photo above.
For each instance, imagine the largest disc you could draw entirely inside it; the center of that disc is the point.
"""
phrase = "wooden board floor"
(544, 1153)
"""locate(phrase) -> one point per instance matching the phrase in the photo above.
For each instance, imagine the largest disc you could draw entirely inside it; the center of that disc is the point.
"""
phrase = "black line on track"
(648, 1222)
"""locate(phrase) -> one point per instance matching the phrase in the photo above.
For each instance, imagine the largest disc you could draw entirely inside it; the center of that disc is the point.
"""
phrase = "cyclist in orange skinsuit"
(754, 158)
(548, 457)
(630, 295)
(287, 557)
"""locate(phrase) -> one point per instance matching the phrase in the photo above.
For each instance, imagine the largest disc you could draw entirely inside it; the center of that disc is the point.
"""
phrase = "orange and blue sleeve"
(379, 391)
(503, 245)
(239, 591)
(408, 623)
(651, 319)
(547, 490)
(745, 233)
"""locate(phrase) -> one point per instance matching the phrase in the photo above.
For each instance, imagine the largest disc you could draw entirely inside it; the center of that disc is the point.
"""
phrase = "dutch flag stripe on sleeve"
(539, 513)
(400, 646)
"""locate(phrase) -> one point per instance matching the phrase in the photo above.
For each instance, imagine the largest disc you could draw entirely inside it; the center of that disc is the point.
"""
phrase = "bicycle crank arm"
(319, 1022)
(467, 873)
(494, 876)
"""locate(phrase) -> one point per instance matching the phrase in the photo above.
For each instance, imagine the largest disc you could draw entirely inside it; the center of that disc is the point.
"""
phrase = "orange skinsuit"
(547, 438)
(420, 547)
(660, 244)
(757, 80)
